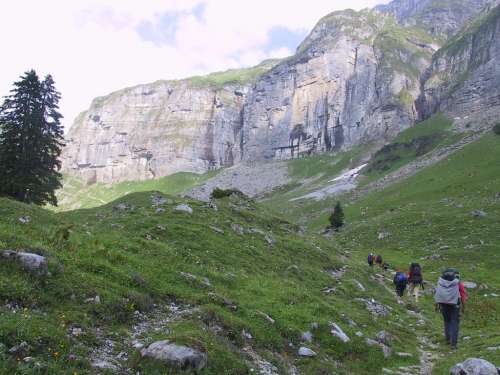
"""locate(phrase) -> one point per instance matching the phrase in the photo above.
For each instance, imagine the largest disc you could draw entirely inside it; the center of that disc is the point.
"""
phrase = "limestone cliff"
(358, 77)
(441, 18)
(353, 80)
(464, 78)
(161, 128)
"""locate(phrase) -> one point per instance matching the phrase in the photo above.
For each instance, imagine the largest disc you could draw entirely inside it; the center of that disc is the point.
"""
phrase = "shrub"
(496, 129)
(223, 193)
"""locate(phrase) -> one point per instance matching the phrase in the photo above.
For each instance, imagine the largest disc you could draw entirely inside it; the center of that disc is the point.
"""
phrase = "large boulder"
(474, 366)
(33, 263)
(184, 208)
(176, 356)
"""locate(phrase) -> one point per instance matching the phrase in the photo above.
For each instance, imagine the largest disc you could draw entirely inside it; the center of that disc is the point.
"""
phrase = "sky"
(94, 47)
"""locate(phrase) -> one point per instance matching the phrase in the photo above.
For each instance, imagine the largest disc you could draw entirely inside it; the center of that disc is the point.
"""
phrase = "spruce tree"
(31, 138)
(337, 217)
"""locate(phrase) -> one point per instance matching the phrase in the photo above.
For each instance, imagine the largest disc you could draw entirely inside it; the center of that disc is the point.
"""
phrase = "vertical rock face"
(155, 130)
(353, 80)
(441, 18)
(358, 77)
(464, 78)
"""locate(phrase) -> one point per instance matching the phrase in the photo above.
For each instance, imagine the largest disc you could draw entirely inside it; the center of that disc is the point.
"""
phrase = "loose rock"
(184, 208)
(33, 263)
(474, 366)
(24, 219)
(180, 357)
(306, 352)
(337, 332)
(470, 285)
(479, 214)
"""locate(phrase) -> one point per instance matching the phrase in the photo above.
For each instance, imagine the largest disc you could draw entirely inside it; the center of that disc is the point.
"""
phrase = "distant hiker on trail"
(450, 296)
(371, 259)
(378, 260)
(416, 280)
(400, 282)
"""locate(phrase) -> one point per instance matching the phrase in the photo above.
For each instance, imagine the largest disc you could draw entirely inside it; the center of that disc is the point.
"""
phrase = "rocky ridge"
(359, 77)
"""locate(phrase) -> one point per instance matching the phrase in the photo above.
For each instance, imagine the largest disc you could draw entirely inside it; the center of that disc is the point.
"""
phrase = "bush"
(496, 129)
(223, 193)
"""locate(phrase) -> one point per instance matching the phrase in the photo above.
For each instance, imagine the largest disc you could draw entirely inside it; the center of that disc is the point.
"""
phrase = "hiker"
(378, 260)
(450, 297)
(416, 280)
(400, 282)
(371, 258)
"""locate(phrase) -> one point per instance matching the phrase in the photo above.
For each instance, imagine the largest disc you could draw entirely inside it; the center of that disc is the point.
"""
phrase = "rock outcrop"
(474, 366)
(464, 78)
(442, 18)
(176, 356)
(358, 77)
(32, 263)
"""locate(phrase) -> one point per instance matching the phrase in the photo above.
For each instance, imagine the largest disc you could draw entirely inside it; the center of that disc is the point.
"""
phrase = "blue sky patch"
(280, 36)
(163, 30)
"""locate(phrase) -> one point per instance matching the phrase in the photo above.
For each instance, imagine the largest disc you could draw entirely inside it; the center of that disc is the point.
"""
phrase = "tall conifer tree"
(31, 138)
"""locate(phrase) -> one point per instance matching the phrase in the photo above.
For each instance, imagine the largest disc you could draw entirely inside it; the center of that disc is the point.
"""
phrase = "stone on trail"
(267, 317)
(337, 332)
(33, 263)
(184, 208)
(217, 230)
(178, 356)
(479, 214)
(306, 352)
(360, 286)
(470, 285)
(474, 366)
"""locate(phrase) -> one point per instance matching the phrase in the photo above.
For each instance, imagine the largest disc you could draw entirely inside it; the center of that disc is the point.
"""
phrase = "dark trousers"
(400, 290)
(451, 317)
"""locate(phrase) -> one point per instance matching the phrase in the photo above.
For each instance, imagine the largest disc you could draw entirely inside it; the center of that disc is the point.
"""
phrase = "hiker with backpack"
(416, 280)
(451, 297)
(378, 260)
(371, 259)
(400, 282)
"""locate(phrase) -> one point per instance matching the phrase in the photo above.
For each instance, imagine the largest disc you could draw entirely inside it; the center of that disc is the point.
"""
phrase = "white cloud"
(92, 47)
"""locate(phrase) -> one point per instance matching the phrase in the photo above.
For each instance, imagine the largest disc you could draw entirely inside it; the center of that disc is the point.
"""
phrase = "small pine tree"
(31, 138)
(337, 217)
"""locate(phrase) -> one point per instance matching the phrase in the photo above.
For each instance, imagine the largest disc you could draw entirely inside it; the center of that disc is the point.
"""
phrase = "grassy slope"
(430, 213)
(313, 173)
(101, 259)
(308, 175)
(75, 194)
(233, 76)
(416, 141)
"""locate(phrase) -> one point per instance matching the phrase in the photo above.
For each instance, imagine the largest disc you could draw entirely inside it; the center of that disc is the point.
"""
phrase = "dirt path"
(427, 349)
(112, 354)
